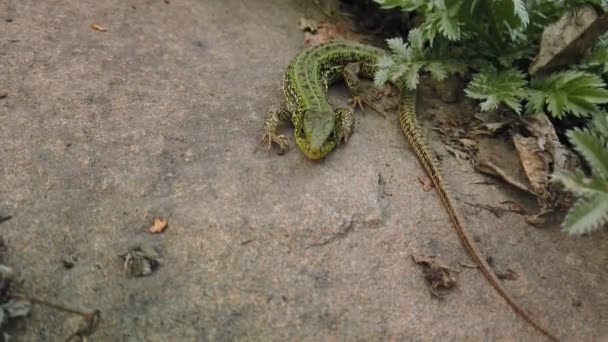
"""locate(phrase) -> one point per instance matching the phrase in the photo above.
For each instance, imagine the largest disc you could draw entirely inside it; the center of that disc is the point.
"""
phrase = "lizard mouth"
(314, 152)
(320, 152)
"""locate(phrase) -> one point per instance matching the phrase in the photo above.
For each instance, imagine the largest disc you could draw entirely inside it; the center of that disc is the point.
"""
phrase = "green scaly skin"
(318, 128)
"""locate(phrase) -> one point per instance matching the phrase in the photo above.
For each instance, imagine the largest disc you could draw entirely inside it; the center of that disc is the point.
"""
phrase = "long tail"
(415, 136)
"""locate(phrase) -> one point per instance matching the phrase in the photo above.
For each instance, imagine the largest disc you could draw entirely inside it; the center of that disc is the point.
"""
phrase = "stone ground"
(158, 116)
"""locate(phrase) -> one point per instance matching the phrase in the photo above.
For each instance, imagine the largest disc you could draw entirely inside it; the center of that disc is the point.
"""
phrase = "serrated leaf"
(397, 46)
(592, 149)
(521, 12)
(448, 26)
(411, 76)
(536, 101)
(600, 124)
(580, 185)
(415, 39)
(437, 70)
(494, 87)
(588, 214)
(380, 77)
(573, 91)
(406, 5)
(385, 62)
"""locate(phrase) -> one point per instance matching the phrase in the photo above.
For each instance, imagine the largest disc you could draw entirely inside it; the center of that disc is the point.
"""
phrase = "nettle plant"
(495, 40)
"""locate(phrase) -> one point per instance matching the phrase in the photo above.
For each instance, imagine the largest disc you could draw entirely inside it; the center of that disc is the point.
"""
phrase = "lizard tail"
(414, 135)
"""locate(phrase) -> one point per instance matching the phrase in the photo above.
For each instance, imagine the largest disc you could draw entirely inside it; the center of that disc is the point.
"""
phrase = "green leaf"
(414, 38)
(588, 214)
(437, 70)
(573, 91)
(592, 149)
(449, 27)
(398, 47)
(381, 77)
(406, 5)
(521, 12)
(578, 184)
(493, 87)
(385, 62)
(600, 124)
(411, 76)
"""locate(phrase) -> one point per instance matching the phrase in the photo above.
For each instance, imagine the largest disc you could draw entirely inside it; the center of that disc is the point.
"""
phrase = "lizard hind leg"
(345, 123)
(269, 133)
(351, 78)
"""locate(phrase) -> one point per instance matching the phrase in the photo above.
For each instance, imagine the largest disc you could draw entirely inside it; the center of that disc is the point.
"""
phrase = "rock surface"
(102, 131)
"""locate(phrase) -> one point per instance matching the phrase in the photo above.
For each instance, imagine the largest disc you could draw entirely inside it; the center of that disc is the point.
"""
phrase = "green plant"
(591, 210)
(495, 40)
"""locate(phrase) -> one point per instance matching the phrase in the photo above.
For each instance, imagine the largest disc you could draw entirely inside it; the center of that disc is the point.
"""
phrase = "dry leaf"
(310, 25)
(535, 163)
(437, 275)
(468, 143)
(98, 28)
(159, 225)
(140, 261)
(460, 155)
(565, 41)
(326, 32)
(427, 183)
(489, 168)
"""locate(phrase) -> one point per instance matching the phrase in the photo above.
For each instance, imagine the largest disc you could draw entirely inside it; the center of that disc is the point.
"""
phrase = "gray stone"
(158, 116)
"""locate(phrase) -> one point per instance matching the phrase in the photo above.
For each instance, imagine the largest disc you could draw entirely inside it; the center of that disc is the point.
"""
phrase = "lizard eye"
(301, 131)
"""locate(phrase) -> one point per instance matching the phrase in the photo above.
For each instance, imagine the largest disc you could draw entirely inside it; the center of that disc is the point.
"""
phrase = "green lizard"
(318, 129)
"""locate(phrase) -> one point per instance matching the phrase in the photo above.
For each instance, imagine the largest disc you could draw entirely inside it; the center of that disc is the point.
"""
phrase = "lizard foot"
(278, 139)
(360, 100)
(357, 101)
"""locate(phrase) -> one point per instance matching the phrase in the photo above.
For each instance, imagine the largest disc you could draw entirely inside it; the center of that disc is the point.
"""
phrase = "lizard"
(318, 129)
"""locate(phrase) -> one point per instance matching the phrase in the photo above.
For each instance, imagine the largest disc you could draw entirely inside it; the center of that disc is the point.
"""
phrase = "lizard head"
(315, 133)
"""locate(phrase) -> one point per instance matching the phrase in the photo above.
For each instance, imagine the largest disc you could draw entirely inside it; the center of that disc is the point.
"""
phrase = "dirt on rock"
(101, 132)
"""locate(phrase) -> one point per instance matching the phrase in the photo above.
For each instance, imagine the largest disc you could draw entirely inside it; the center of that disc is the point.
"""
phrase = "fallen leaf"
(427, 183)
(489, 168)
(437, 275)
(326, 32)
(565, 41)
(468, 143)
(535, 162)
(98, 28)
(508, 275)
(140, 261)
(159, 225)
(310, 25)
(460, 155)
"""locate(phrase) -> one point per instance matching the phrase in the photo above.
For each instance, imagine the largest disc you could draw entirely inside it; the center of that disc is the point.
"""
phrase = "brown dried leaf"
(159, 225)
(535, 163)
(468, 143)
(490, 168)
(427, 183)
(326, 32)
(306, 24)
(98, 28)
(509, 274)
(460, 155)
(566, 41)
(437, 275)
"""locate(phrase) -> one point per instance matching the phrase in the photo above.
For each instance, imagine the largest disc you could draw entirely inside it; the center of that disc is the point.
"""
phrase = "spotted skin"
(318, 128)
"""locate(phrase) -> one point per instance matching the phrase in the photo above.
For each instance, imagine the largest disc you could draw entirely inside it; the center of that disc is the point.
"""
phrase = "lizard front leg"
(345, 123)
(351, 78)
(271, 123)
